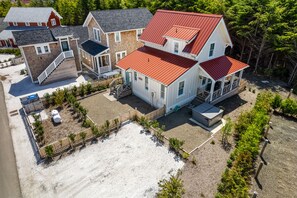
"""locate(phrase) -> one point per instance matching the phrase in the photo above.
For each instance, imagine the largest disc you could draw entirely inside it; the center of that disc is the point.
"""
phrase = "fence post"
(264, 146)
(259, 169)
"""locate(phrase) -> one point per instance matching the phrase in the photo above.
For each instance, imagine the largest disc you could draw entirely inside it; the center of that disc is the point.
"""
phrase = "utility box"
(32, 103)
(207, 114)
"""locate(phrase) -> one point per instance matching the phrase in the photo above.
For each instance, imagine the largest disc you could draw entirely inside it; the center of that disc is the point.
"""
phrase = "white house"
(183, 58)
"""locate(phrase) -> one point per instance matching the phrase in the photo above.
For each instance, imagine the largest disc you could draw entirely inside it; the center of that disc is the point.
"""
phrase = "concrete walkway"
(9, 181)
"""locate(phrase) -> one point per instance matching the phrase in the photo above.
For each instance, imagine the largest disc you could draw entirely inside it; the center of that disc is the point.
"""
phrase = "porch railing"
(105, 69)
(54, 65)
(226, 89)
(235, 84)
(216, 94)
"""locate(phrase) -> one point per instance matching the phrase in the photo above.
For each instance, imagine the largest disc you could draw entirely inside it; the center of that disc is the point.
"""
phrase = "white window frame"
(179, 95)
(101, 61)
(96, 32)
(135, 76)
(115, 37)
(53, 22)
(39, 24)
(42, 48)
(138, 30)
(162, 92)
(15, 23)
(121, 55)
(211, 51)
(27, 24)
(146, 83)
(175, 42)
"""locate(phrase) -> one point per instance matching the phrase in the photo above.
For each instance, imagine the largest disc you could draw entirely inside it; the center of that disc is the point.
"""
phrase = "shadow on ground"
(135, 102)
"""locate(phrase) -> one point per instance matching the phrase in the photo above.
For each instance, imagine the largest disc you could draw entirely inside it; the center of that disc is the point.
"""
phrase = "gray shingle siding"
(77, 32)
(122, 19)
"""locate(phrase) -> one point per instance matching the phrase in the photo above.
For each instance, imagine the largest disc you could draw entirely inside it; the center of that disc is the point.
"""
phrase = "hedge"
(16, 52)
(249, 129)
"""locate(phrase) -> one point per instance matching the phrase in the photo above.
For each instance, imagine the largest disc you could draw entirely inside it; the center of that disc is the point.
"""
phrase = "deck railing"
(105, 69)
(54, 65)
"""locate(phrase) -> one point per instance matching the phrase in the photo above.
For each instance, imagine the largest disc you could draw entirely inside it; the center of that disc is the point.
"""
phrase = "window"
(39, 24)
(117, 36)
(181, 87)
(27, 24)
(146, 83)
(211, 50)
(104, 61)
(97, 36)
(176, 45)
(15, 24)
(46, 49)
(203, 80)
(53, 22)
(162, 91)
(42, 49)
(135, 76)
(138, 33)
(120, 55)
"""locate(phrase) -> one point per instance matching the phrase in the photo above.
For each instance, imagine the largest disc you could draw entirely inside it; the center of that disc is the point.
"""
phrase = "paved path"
(9, 181)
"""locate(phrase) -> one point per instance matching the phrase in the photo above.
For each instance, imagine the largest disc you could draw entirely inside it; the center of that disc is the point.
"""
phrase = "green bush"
(89, 88)
(277, 101)
(289, 106)
(82, 90)
(49, 150)
(176, 144)
(172, 188)
(16, 52)
(86, 123)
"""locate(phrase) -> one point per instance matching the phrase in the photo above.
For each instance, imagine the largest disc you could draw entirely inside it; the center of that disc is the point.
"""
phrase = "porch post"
(212, 88)
(222, 85)
(232, 80)
(240, 75)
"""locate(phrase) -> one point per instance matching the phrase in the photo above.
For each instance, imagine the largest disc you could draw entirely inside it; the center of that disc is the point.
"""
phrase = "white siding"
(190, 90)
(168, 47)
(138, 88)
(220, 38)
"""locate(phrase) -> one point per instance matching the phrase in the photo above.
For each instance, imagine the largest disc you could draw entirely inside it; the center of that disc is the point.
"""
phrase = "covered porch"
(95, 57)
(219, 79)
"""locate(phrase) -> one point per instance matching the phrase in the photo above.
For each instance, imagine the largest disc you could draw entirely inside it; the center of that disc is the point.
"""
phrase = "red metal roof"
(159, 65)
(181, 32)
(164, 20)
(222, 66)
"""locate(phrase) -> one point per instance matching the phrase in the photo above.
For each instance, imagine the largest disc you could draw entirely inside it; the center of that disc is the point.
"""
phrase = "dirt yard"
(101, 109)
(279, 177)
(70, 124)
(178, 125)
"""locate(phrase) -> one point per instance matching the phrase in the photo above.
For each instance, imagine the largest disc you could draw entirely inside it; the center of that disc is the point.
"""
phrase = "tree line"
(264, 32)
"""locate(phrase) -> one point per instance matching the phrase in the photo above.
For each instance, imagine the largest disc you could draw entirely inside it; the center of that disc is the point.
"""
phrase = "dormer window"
(97, 36)
(15, 24)
(176, 47)
(27, 24)
(53, 22)
(211, 50)
(39, 24)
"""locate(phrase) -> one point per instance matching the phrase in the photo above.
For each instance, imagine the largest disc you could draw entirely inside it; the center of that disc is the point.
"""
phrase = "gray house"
(51, 54)
(112, 35)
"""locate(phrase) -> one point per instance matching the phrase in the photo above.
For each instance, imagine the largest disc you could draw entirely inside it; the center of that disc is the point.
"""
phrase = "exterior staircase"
(120, 91)
(63, 56)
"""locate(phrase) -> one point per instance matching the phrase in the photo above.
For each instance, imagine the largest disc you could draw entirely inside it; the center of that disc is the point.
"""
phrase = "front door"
(64, 45)
(128, 78)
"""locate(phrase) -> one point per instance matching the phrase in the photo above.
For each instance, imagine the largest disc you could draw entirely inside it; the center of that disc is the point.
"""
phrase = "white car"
(56, 116)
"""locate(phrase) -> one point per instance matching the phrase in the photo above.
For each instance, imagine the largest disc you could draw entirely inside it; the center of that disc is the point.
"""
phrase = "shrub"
(49, 151)
(159, 134)
(74, 90)
(172, 188)
(86, 123)
(185, 155)
(72, 136)
(59, 97)
(95, 131)
(47, 98)
(277, 102)
(289, 106)
(82, 90)
(83, 136)
(155, 124)
(227, 132)
(176, 144)
(16, 52)
(89, 88)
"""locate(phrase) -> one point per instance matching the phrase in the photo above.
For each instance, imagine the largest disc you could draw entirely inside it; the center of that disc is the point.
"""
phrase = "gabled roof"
(156, 64)
(182, 33)
(122, 19)
(222, 66)
(93, 48)
(3, 25)
(30, 14)
(164, 20)
(32, 37)
(7, 33)
(74, 31)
